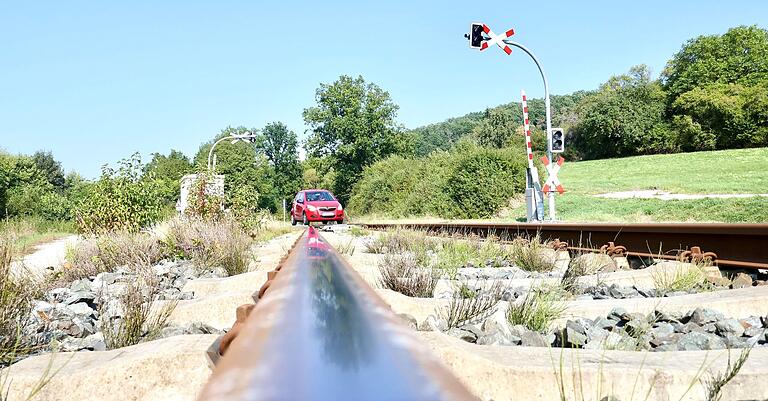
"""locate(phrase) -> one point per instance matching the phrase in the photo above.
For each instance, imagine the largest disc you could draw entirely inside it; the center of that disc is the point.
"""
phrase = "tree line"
(713, 94)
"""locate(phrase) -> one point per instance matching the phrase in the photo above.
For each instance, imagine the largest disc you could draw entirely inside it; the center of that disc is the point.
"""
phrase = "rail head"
(321, 333)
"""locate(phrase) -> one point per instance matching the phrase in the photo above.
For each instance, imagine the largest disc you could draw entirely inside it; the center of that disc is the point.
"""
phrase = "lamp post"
(250, 136)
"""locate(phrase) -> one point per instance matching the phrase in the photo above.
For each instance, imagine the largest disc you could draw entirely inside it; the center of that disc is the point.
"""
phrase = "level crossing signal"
(558, 140)
(476, 36)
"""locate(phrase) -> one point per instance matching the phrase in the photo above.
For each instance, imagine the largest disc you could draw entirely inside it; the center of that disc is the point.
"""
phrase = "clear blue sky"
(95, 81)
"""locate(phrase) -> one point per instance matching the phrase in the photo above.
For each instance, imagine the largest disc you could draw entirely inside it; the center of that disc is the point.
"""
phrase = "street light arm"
(210, 152)
(234, 136)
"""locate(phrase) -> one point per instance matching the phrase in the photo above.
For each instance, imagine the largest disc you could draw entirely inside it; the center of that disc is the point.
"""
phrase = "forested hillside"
(713, 94)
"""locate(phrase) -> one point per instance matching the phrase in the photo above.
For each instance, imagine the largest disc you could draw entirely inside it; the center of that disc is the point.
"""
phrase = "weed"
(399, 241)
(577, 267)
(402, 274)
(93, 255)
(347, 248)
(470, 306)
(210, 244)
(530, 255)
(17, 289)
(682, 277)
(356, 231)
(138, 321)
(715, 382)
(537, 309)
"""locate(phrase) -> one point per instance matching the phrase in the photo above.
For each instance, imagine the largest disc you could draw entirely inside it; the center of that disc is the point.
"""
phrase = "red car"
(316, 205)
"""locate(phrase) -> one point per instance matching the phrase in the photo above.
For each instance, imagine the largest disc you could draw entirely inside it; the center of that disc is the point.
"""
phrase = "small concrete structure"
(216, 187)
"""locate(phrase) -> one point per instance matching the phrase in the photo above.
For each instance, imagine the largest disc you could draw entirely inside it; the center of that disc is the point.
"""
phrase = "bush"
(210, 244)
(244, 206)
(39, 201)
(483, 182)
(120, 200)
(203, 201)
(468, 181)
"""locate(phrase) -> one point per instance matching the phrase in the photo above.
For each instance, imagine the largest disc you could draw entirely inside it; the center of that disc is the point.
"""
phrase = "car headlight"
(311, 208)
(340, 208)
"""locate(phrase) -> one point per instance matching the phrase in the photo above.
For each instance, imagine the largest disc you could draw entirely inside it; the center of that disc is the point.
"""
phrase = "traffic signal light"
(476, 36)
(558, 140)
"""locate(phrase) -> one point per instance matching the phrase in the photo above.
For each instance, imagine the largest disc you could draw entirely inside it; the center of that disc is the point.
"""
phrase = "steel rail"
(743, 246)
(319, 332)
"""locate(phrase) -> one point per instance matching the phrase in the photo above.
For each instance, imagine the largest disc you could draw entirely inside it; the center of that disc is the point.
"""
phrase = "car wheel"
(304, 219)
(340, 221)
(293, 220)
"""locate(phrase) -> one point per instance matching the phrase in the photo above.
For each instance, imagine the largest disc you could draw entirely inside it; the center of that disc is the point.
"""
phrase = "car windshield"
(319, 196)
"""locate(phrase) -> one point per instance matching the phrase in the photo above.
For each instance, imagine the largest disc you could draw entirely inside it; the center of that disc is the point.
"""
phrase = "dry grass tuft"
(137, 320)
(682, 278)
(210, 244)
(468, 306)
(93, 255)
(537, 309)
(530, 255)
(401, 273)
(17, 290)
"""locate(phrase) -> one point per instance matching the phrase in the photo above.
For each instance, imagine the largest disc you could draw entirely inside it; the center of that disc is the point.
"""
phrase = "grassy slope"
(729, 171)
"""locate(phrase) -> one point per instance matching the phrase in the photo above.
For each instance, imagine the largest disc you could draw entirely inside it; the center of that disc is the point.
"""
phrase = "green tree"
(50, 168)
(281, 149)
(625, 117)
(354, 126)
(739, 56)
(168, 170)
(242, 164)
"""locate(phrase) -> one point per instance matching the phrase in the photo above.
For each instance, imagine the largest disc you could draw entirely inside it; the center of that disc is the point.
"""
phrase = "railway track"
(739, 246)
(318, 332)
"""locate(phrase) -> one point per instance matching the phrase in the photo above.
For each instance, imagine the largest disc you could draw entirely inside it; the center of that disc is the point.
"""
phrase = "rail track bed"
(728, 245)
(316, 324)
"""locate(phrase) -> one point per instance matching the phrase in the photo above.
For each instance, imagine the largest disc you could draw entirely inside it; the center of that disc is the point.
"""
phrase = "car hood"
(324, 203)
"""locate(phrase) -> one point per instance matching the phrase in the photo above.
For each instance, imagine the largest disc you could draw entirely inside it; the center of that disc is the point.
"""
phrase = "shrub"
(468, 181)
(537, 309)
(210, 244)
(402, 274)
(204, 201)
(244, 206)
(121, 200)
(481, 183)
(38, 200)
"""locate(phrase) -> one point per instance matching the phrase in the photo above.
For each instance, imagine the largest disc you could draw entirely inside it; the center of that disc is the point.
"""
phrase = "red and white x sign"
(497, 39)
(552, 169)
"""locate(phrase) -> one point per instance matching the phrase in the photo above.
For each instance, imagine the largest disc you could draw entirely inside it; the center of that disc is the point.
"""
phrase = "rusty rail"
(319, 332)
(743, 246)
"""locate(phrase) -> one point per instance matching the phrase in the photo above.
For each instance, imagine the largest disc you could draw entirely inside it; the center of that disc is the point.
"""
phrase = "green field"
(718, 172)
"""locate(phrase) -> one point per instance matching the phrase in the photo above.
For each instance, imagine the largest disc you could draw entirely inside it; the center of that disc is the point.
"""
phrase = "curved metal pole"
(210, 152)
(548, 116)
